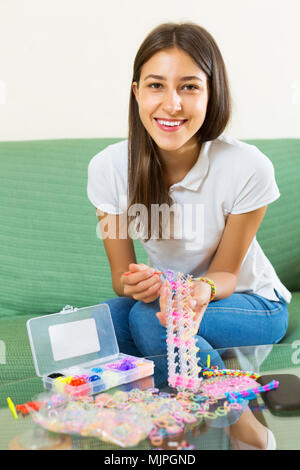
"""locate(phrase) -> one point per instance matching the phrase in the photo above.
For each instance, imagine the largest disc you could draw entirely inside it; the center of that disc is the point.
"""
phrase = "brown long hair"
(145, 180)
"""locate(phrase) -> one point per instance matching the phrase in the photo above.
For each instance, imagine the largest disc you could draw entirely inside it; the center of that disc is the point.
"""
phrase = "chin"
(169, 143)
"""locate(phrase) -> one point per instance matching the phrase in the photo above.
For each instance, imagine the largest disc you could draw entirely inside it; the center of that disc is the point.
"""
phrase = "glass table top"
(209, 432)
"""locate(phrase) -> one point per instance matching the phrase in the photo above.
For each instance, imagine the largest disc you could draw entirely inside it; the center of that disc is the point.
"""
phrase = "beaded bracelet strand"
(251, 393)
(231, 372)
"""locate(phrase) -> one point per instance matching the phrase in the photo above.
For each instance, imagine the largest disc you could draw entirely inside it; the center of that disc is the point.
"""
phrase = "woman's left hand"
(201, 292)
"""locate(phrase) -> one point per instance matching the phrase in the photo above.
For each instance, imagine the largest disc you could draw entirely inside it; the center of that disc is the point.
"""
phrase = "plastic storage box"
(76, 352)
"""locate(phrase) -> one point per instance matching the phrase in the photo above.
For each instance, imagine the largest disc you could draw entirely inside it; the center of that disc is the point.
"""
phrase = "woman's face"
(171, 97)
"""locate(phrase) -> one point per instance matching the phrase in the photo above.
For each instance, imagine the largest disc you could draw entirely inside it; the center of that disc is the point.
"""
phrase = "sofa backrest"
(279, 233)
(50, 255)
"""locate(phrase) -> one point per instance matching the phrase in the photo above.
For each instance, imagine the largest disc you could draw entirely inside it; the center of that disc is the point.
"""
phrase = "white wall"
(66, 65)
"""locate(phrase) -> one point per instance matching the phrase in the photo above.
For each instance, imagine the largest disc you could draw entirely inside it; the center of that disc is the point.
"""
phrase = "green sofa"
(50, 254)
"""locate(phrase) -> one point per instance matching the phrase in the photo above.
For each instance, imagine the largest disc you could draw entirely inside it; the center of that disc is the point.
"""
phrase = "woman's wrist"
(211, 283)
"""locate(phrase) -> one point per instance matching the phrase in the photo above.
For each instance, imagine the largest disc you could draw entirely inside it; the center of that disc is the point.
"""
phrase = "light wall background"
(66, 65)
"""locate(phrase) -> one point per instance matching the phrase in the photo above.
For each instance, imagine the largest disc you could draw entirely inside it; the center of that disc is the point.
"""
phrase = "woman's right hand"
(141, 284)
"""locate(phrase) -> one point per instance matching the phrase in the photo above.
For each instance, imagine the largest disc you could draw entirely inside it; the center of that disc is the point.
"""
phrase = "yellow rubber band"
(12, 408)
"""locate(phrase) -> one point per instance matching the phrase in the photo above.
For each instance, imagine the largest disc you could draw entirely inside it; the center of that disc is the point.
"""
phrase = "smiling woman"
(191, 86)
(178, 162)
(168, 99)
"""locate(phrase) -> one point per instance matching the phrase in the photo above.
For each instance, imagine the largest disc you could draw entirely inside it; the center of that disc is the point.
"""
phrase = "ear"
(135, 90)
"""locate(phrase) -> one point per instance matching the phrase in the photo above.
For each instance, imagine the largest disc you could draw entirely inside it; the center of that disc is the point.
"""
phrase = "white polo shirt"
(229, 177)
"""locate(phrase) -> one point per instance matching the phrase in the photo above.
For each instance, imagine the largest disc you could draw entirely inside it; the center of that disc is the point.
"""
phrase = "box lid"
(72, 337)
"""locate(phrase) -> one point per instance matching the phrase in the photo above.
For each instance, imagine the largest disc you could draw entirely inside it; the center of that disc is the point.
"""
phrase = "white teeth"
(168, 123)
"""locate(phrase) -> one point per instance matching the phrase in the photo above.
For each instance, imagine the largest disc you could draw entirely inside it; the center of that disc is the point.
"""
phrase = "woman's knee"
(148, 333)
(119, 309)
(120, 304)
(142, 315)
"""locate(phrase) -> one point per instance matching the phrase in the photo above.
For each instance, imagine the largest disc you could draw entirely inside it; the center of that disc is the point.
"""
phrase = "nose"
(172, 103)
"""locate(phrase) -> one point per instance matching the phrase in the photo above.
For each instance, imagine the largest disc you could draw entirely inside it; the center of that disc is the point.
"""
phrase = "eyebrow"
(182, 79)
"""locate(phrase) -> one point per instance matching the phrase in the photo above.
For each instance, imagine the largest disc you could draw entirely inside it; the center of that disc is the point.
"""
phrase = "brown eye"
(151, 84)
(193, 86)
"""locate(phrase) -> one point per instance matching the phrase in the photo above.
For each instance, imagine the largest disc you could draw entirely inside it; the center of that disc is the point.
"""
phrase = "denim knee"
(119, 309)
(147, 332)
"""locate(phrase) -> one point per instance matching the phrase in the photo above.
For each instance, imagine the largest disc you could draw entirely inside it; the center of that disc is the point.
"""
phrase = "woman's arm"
(141, 284)
(120, 251)
(237, 236)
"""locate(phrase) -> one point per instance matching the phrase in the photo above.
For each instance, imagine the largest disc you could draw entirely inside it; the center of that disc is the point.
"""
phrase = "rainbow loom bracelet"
(231, 372)
(211, 283)
(251, 393)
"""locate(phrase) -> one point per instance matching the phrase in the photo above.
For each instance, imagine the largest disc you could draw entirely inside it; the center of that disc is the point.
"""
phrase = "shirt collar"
(198, 172)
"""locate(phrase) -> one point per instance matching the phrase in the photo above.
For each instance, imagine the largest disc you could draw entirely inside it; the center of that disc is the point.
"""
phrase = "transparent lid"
(72, 337)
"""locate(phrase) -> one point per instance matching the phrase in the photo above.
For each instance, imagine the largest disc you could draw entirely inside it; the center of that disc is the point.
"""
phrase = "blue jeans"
(242, 319)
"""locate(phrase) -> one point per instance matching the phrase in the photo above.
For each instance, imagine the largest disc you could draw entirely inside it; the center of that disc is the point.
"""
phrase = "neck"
(176, 164)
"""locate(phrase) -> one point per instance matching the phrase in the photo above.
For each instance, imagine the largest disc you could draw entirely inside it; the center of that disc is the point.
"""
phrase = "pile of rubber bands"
(126, 418)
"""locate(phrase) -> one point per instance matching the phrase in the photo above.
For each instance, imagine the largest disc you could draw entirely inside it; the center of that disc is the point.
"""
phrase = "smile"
(170, 126)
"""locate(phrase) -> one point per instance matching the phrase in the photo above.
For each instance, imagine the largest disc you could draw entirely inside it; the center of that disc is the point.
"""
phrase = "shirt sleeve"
(256, 185)
(102, 189)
